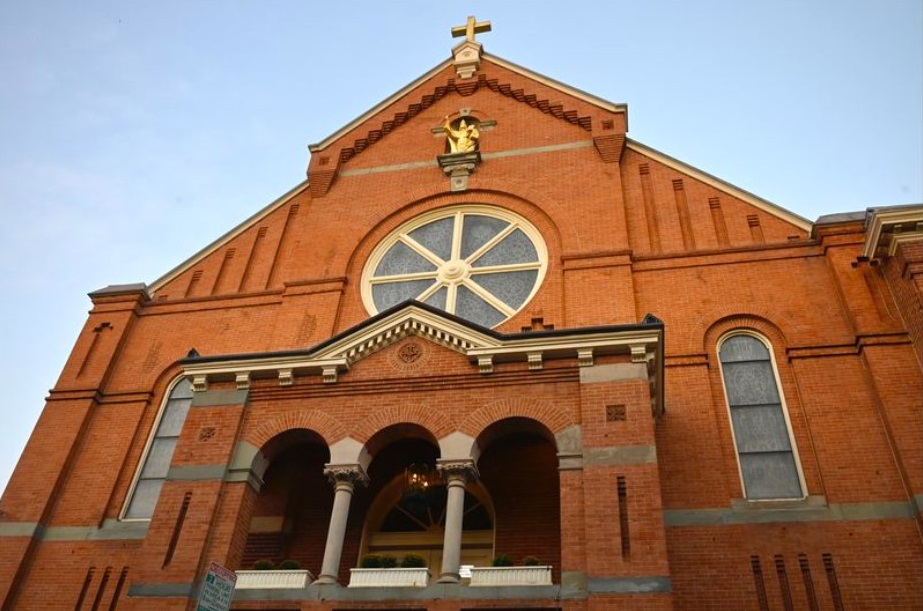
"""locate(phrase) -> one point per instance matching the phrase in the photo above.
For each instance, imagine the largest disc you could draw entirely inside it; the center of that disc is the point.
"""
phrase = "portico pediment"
(484, 348)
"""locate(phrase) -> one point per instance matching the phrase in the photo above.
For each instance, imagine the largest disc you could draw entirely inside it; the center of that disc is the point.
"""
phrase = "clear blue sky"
(134, 133)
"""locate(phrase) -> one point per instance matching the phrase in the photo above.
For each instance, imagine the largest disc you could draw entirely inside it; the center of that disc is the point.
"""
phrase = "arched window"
(402, 521)
(765, 450)
(157, 456)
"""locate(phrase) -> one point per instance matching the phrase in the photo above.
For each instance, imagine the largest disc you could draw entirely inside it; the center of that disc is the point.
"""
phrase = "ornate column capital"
(462, 469)
(352, 475)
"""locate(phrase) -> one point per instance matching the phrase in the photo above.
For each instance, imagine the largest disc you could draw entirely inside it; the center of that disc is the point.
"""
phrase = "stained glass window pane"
(477, 231)
(389, 294)
(144, 499)
(760, 429)
(512, 288)
(438, 299)
(743, 348)
(182, 390)
(770, 475)
(436, 237)
(752, 383)
(159, 457)
(400, 259)
(171, 423)
(514, 248)
(471, 307)
(764, 446)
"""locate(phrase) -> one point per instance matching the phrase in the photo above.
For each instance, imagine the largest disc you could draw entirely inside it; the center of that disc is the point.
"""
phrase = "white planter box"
(511, 576)
(388, 578)
(251, 580)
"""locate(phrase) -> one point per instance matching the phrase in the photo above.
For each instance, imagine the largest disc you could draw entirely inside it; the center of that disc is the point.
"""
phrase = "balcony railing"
(511, 576)
(269, 580)
(389, 578)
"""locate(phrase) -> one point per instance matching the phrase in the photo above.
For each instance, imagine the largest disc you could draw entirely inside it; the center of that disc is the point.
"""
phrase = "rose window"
(482, 264)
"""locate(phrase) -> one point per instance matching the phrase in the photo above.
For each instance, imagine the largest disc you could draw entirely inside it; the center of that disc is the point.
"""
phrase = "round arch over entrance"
(289, 516)
(519, 468)
(406, 518)
(401, 516)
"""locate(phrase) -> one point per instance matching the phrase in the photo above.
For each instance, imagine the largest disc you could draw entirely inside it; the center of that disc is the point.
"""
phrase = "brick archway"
(328, 427)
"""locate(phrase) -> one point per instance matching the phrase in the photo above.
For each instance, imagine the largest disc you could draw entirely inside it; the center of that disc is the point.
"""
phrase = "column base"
(326, 580)
(449, 578)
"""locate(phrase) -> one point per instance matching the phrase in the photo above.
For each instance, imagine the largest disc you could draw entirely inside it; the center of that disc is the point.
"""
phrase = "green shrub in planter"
(370, 561)
(531, 561)
(289, 565)
(413, 561)
(263, 565)
(377, 561)
(502, 560)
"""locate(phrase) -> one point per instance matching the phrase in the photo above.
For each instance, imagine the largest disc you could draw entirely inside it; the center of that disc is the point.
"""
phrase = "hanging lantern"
(418, 478)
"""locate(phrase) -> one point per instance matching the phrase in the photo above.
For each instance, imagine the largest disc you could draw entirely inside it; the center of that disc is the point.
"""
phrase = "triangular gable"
(566, 114)
(565, 90)
(483, 347)
(721, 185)
(227, 237)
(523, 96)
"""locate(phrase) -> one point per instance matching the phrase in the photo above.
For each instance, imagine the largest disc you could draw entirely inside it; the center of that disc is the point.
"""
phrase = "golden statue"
(465, 138)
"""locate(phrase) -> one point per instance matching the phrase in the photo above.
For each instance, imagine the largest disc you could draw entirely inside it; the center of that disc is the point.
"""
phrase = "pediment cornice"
(484, 348)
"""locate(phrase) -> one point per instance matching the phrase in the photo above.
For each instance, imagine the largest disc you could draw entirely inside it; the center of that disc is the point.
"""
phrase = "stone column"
(457, 474)
(344, 479)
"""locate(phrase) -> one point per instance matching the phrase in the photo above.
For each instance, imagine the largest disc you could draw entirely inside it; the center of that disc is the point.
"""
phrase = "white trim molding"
(886, 228)
(485, 349)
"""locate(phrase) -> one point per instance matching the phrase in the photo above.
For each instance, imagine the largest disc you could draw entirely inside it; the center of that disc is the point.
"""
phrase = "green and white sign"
(217, 589)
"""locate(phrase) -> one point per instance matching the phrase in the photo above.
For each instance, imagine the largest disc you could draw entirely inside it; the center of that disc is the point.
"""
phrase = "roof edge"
(513, 67)
(556, 84)
(378, 107)
(647, 323)
(227, 237)
(713, 181)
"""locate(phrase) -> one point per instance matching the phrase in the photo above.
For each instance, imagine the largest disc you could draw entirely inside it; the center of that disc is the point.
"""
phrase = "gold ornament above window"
(463, 134)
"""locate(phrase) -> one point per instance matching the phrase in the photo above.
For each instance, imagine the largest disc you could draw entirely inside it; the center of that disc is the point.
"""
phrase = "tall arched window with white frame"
(158, 454)
(766, 452)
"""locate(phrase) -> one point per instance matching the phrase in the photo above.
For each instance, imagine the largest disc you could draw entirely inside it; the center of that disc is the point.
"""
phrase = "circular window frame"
(446, 273)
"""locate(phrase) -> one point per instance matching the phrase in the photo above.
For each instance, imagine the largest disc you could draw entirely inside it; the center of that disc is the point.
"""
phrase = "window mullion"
(477, 254)
(421, 250)
(402, 277)
(457, 235)
(430, 291)
(493, 301)
(508, 267)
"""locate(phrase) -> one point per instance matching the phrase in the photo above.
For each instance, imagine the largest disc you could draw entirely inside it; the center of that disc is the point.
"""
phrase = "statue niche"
(462, 155)
(462, 135)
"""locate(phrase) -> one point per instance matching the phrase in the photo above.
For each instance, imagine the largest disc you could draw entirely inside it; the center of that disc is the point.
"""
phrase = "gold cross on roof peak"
(471, 28)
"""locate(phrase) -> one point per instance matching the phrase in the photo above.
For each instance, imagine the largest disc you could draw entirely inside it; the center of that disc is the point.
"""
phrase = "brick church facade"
(491, 324)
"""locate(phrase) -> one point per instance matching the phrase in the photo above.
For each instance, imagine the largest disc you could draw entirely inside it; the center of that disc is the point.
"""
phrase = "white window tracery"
(480, 263)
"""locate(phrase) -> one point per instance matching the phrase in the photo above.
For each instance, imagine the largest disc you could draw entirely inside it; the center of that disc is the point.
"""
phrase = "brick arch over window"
(743, 438)
(421, 415)
(328, 427)
(759, 320)
(543, 412)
